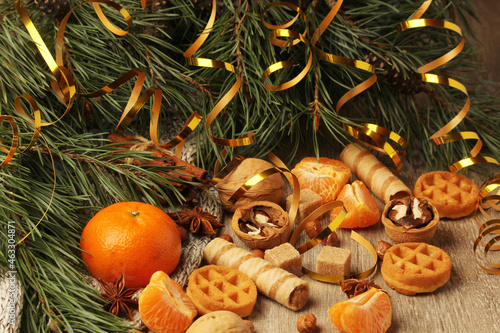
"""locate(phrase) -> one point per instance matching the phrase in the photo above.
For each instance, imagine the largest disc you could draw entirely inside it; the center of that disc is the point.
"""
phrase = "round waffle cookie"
(213, 288)
(453, 195)
(411, 268)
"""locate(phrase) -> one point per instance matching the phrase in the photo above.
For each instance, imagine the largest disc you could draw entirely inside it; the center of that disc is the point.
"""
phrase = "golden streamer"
(488, 200)
(337, 278)
(65, 88)
(224, 101)
(443, 135)
(323, 235)
(15, 139)
(372, 135)
(279, 167)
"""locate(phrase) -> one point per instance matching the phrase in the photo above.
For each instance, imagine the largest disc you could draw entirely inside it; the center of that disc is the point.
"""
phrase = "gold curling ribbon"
(371, 134)
(244, 140)
(323, 235)
(317, 213)
(279, 167)
(65, 88)
(442, 135)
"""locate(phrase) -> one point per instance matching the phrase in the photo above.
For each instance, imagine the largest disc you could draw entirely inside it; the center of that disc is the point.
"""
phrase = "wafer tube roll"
(276, 283)
(376, 176)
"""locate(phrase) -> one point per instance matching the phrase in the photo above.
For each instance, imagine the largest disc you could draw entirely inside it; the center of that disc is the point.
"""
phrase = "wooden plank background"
(468, 302)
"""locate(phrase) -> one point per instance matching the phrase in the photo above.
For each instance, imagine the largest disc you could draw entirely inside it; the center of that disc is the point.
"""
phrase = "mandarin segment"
(164, 307)
(362, 209)
(324, 176)
(133, 239)
(369, 312)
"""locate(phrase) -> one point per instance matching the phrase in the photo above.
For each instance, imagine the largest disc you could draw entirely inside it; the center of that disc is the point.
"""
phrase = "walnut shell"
(268, 189)
(219, 322)
(261, 224)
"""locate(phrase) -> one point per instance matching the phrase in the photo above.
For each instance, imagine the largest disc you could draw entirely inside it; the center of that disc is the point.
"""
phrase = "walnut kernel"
(306, 323)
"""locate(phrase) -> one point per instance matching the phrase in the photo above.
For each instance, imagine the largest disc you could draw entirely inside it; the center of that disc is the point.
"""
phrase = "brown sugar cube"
(334, 261)
(308, 202)
(286, 257)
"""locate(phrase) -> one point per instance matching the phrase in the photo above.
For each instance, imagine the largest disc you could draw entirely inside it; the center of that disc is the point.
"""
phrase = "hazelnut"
(250, 325)
(331, 240)
(313, 228)
(306, 323)
(382, 248)
(227, 237)
(183, 233)
(258, 253)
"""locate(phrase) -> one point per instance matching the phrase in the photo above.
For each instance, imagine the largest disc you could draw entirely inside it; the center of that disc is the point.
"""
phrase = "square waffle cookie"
(213, 288)
(411, 268)
(453, 195)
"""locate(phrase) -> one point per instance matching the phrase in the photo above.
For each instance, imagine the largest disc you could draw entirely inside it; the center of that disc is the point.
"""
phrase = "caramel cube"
(308, 202)
(285, 256)
(334, 261)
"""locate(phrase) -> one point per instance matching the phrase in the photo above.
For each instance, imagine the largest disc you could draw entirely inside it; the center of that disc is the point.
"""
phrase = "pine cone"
(410, 85)
(53, 8)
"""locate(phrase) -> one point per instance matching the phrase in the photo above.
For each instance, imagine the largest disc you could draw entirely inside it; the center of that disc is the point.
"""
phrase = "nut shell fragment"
(219, 322)
(261, 225)
(268, 189)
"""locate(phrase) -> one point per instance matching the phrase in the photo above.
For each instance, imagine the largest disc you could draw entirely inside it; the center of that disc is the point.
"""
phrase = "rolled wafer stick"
(276, 283)
(377, 177)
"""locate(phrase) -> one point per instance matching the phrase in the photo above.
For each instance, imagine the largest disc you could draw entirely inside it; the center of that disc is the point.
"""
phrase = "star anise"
(196, 221)
(119, 299)
(354, 287)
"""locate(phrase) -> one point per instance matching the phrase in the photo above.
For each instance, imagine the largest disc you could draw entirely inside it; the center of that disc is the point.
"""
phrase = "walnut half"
(261, 224)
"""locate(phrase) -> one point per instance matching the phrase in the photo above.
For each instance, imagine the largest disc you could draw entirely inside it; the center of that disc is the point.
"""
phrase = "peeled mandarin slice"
(362, 209)
(369, 312)
(323, 176)
(164, 306)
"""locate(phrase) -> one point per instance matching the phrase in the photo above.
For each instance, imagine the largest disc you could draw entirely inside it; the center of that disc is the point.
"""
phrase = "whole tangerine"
(130, 238)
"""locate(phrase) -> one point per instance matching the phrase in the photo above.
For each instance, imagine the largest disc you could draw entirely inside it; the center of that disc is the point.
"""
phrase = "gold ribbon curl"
(443, 135)
(370, 134)
(64, 87)
(280, 167)
(244, 140)
(488, 200)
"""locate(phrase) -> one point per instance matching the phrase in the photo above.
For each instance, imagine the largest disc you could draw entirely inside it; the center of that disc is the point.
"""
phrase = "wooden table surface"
(468, 302)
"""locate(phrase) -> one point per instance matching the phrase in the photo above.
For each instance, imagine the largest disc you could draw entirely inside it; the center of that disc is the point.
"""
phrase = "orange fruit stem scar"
(130, 238)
